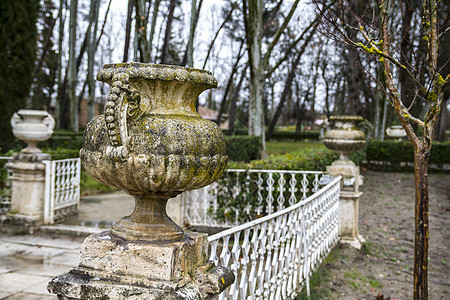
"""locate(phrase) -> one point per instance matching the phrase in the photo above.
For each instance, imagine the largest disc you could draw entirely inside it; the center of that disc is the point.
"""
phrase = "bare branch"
(280, 30)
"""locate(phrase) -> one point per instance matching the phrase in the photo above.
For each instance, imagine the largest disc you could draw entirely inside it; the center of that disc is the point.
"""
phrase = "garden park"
(310, 162)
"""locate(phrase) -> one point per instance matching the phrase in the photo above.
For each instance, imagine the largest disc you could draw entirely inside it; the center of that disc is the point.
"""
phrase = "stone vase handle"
(122, 105)
(325, 126)
(366, 127)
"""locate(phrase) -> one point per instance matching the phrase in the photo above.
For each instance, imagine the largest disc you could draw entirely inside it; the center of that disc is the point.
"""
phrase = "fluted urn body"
(152, 143)
(343, 136)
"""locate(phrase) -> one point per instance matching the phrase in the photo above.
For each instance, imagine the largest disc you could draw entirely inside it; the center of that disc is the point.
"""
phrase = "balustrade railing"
(62, 189)
(274, 256)
(5, 185)
(244, 195)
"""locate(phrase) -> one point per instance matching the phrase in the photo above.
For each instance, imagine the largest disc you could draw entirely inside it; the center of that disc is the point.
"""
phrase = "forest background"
(52, 49)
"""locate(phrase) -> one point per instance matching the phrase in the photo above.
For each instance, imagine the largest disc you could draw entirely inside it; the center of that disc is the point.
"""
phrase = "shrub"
(63, 139)
(242, 147)
(304, 159)
(291, 135)
(62, 153)
(393, 153)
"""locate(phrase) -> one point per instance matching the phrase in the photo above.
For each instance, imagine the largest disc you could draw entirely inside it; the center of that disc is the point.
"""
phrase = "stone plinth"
(348, 201)
(114, 268)
(28, 192)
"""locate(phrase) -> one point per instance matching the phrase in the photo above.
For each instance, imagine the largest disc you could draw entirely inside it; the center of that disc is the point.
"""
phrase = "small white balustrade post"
(28, 172)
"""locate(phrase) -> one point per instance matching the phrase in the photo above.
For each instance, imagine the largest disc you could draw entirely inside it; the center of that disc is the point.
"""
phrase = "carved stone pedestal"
(152, 143)
(28, 192)
(348, 201)
(114, 268)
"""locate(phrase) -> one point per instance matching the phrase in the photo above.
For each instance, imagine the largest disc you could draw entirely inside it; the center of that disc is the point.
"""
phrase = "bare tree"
(376, 39)
(165, 47)
(72, 80)
(92, 40)
(128, 30)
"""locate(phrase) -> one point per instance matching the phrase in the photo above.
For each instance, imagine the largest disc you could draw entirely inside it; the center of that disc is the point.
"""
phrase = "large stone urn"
(152, 143)
(344, 136)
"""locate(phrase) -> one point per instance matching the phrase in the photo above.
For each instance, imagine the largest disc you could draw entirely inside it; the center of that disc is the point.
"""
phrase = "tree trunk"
(189, 55)
(229, 84)
(141, 26)
(284, 95)
(128, 30)
(421, 224)
(442, 122)
(59, 72)
(93, 16)
(72, 81)
(165, 47)
(153, 25)
(253, 28)
(406, 86)
(216, 35)
(236, 92)
(46, 44)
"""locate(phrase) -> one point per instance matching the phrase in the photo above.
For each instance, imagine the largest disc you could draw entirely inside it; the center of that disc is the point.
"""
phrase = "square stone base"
(80, 284)
(113, 268)
(155, 260)
(19, 224)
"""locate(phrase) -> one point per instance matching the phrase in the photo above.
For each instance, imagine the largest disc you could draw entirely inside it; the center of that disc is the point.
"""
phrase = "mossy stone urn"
(343, 135)
(152, 143)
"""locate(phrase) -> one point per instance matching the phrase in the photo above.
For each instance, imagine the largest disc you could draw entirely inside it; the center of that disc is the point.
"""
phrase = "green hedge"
(62, 153)
(292, 136)
(243, 147)
(63, 139)
(393, 153)
(303, 159)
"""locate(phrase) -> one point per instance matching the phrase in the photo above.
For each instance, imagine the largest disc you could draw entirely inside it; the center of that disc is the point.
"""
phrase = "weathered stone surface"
(153, 260)
(348, 201)
(113, 268)
(152, 143)
(343, 136)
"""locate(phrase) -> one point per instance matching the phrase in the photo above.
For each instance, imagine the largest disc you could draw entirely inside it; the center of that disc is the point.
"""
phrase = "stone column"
(28, 172)
(344, 136)
(28, 192)
(348, 201)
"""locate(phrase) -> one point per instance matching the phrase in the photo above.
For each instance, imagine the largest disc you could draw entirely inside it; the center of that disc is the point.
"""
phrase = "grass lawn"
(283, 147)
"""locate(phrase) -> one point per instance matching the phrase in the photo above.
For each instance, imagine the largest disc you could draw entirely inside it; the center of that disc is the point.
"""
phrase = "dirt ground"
(384, 266)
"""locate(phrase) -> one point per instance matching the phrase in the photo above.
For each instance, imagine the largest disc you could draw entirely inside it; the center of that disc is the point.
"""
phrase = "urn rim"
(346, 118)
(32, 112)
(136, 70)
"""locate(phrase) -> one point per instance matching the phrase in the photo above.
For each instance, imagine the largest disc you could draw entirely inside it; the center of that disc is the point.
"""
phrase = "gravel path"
(384, 265)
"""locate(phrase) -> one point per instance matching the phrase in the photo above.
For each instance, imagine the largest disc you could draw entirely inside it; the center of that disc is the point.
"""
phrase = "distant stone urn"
(152, 143)
(396, 131)
(343, 136)
(32, 126)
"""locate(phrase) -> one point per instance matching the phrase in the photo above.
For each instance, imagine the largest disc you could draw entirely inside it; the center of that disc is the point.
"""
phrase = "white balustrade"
(62, 189)
(243, 195)
(5, 185)
(274, 256)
